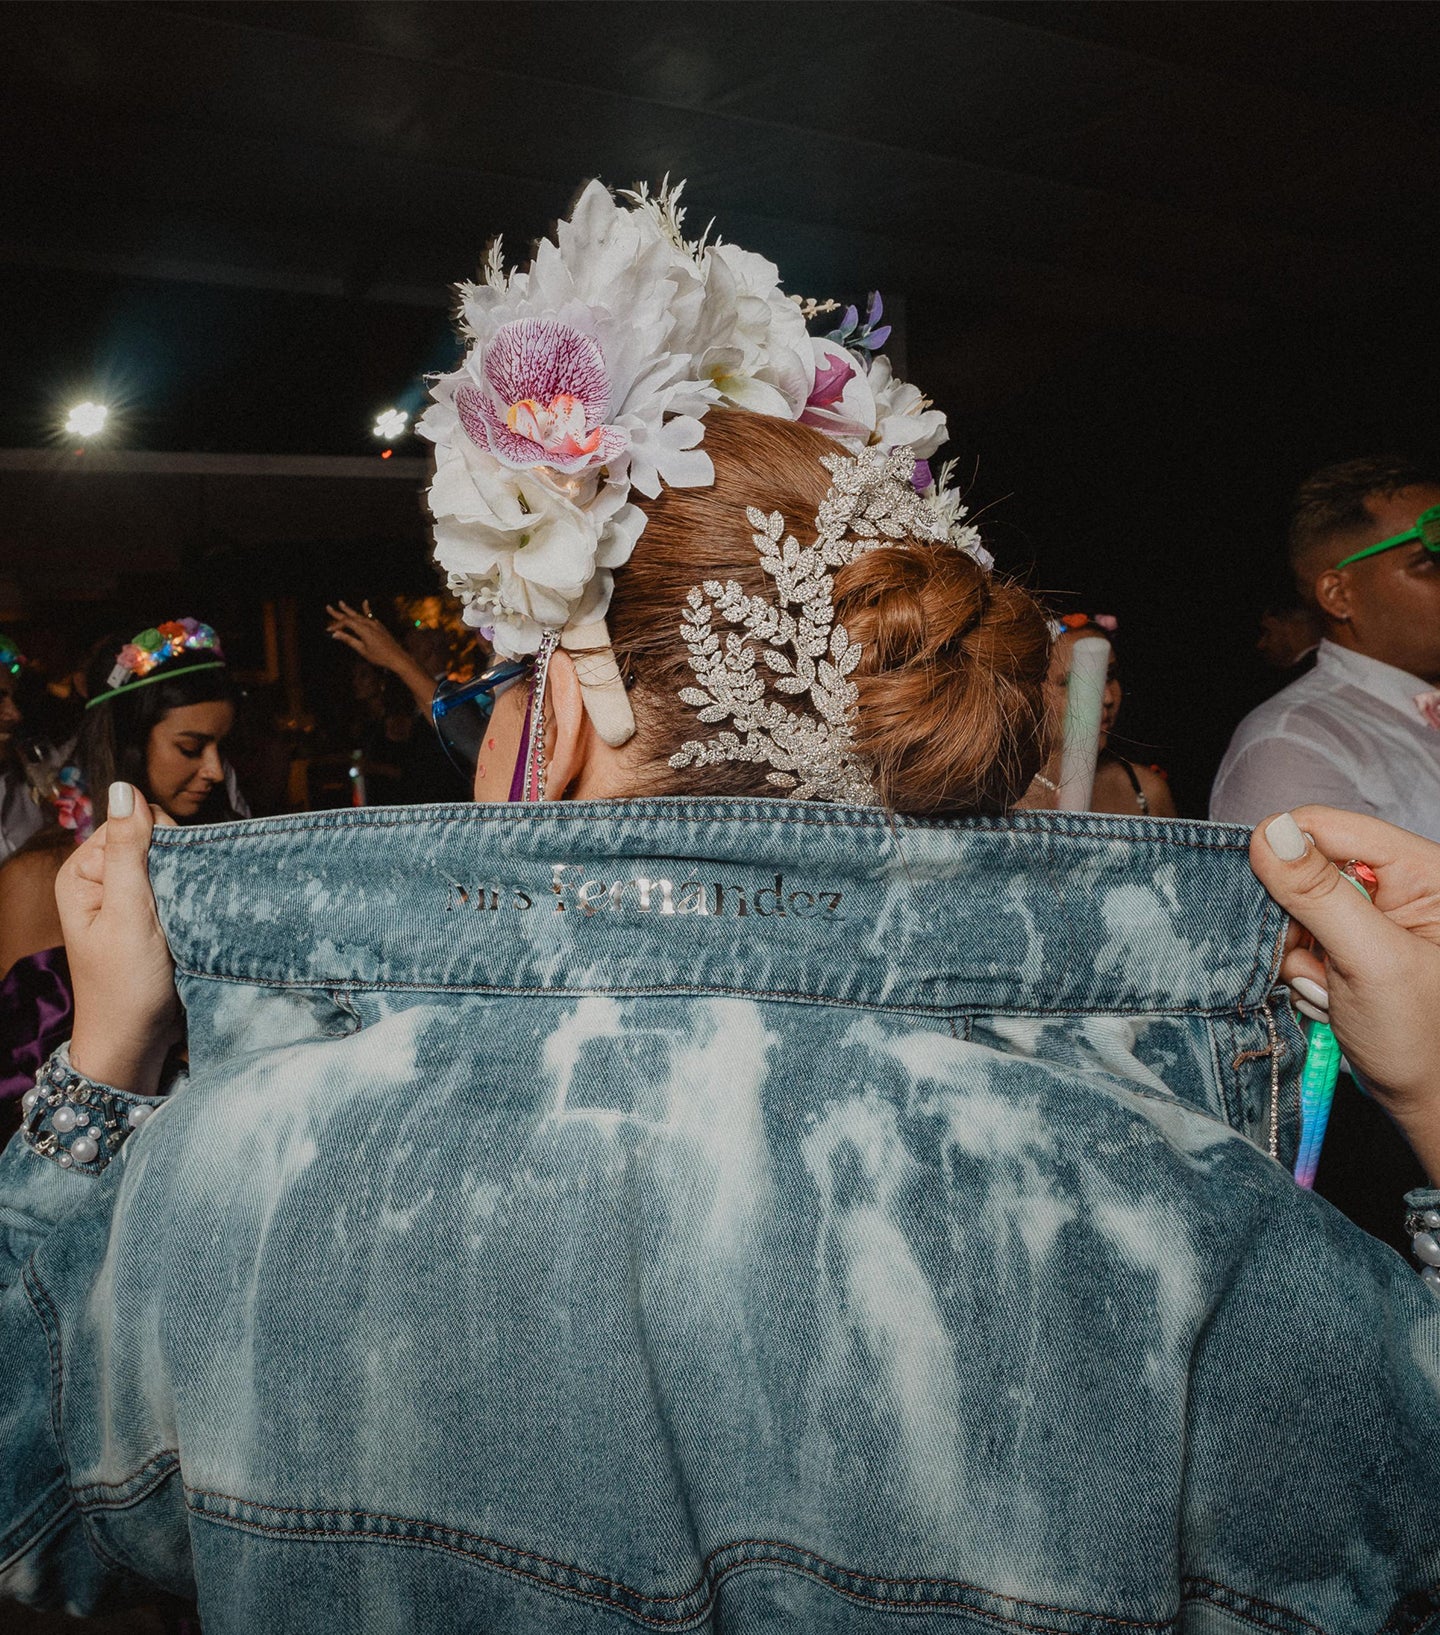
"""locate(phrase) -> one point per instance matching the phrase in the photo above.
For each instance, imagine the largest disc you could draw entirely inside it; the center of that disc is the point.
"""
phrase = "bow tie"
(1428, 705)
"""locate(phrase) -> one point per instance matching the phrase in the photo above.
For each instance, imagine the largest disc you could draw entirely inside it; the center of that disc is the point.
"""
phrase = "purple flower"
(863, 338)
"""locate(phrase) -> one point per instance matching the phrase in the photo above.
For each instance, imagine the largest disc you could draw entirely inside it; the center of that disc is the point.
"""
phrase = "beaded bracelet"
(77, 1122)
(1423, 1225)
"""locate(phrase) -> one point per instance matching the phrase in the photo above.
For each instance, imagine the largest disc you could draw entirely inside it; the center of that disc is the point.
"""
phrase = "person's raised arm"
(371, 640)
(1376, 970)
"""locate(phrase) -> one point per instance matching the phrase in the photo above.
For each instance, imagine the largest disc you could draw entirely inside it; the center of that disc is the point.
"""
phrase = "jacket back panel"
(535, 1247)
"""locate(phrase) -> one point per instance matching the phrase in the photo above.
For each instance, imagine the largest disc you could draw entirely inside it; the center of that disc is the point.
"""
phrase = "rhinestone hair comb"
(871, 501)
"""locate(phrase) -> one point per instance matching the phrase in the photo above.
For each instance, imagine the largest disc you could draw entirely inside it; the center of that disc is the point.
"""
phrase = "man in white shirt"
(1362, 729)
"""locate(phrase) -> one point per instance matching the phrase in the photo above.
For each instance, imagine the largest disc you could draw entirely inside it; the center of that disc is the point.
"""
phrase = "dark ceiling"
(1025, 175)
(1156, 259)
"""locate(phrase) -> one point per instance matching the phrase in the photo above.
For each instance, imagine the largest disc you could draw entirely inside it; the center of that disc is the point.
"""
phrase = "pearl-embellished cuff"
(77, 1122)
(1422, 1222)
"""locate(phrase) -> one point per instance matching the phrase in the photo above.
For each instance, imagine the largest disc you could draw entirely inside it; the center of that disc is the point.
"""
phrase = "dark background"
(1157, 261)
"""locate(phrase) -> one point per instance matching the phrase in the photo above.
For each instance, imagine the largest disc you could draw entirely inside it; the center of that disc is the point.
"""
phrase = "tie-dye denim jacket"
(736, 1215)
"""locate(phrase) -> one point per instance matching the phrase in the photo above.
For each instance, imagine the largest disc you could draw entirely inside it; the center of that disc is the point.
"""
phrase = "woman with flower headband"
(731, 1176)
(160, 709)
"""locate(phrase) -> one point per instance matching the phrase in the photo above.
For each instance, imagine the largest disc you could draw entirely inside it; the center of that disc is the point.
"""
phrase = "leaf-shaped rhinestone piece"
(871, 499)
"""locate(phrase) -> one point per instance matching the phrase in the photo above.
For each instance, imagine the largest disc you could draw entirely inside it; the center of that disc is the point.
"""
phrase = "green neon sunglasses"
(1426, 530)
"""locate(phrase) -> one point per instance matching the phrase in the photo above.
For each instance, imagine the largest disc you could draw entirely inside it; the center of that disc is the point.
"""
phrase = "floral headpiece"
(1082, 621)
(588, 375)
(139, 659)
(11, 658)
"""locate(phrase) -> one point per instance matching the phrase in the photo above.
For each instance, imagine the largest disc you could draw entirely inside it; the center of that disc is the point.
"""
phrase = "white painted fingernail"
(121, 800)
(1284, 837)
(1311, 991)
(1307, 1009)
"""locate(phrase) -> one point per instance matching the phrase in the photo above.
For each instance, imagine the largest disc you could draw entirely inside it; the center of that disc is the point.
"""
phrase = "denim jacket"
(717, 1214)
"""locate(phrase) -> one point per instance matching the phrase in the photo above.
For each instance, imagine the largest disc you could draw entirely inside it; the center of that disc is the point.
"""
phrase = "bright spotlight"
(87, 419)
(391, 424)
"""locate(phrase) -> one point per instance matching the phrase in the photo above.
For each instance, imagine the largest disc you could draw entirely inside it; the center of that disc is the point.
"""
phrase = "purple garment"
(36, 1004)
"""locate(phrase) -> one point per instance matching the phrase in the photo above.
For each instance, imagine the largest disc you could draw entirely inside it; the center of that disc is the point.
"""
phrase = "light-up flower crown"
(139, 659)
(1067, 622)
(588, 375)
(12, 660)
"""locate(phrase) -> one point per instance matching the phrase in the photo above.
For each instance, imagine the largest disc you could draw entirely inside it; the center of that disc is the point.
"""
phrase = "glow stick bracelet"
(1318, 1080)
(1317, 1092)
(1084, 703)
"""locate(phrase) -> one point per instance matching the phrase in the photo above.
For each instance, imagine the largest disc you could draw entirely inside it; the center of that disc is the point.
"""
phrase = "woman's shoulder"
(1121, 784)
(1155, 786)
(39, 860)
(29, 919)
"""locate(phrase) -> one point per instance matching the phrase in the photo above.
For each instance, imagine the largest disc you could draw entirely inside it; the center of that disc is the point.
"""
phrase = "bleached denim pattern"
(555, 1235)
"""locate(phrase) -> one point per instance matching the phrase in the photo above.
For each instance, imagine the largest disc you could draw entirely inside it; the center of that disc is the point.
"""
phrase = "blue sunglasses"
(461, 710)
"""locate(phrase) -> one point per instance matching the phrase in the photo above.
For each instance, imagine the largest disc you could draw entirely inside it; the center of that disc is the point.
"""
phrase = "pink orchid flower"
(544, 400)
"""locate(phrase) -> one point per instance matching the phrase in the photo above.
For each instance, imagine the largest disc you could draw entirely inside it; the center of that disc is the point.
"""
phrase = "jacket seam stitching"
(129, 1490)
(1168, 832)
(1126, 1006)
(1249, 1607)
(1231, 1094)
(39, 1296)
(437, 1536)
(51, 1508)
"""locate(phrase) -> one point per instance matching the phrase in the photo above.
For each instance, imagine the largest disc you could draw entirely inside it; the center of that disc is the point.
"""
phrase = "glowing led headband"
(139, 661)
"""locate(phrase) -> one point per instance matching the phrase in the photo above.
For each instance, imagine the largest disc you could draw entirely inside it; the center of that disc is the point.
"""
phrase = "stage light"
(391, 424)
(87, 419)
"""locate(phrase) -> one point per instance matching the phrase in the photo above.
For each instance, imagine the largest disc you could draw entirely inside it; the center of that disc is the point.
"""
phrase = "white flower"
(841, 403)
(903, 416)
(525, 550)
(751, 342)
(869, 407)
(573, 392)
(605, 302)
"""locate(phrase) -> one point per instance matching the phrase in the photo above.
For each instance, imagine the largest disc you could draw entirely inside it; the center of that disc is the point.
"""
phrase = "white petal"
(746, 392)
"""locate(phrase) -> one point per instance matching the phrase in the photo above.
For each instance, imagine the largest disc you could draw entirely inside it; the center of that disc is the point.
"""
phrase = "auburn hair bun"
(951, 710)
(951, 678)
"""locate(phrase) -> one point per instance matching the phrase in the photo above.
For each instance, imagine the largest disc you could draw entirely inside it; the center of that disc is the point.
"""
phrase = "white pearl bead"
(138, 1115)
(1432, 1278)
(1431, 1217)
(82, 1118)
(63, 1118)
(28, 1100)
(65, 1160)
(1427, 1248)
(84, 1148)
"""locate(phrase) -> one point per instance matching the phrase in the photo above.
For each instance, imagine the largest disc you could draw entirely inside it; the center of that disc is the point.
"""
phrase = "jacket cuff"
(76, 1122)
(1422, 1222)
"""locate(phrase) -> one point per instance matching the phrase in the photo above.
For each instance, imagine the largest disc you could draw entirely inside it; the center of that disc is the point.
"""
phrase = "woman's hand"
(364, 632)
(127, 1012)
(1375, 975)
(372, 641)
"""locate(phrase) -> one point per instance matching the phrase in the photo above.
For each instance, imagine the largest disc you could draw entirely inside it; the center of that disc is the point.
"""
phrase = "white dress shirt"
(20, 817)
(1348, 734)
